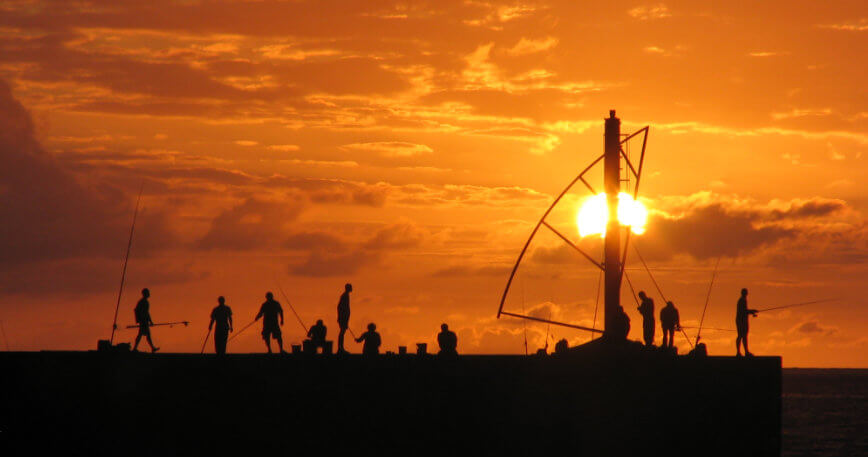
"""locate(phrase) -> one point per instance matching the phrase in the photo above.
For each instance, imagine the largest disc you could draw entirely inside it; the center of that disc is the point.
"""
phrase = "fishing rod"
(206, 341)
(711, 328)
(170, 324)
(242, 330)
(290, 306)
(707, 298)
(126, 260)
(796, 304)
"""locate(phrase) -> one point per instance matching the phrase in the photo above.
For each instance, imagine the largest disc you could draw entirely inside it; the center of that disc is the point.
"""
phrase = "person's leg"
(738, 345)
(341, 340)
(138, 338)
(267, 337)
(151, 343)
(744, 340)
(279, 339)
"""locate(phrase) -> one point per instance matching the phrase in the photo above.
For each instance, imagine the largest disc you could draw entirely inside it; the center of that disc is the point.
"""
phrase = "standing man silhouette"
(741, 323)
(344, 316)
(143, 318)
(670, 321)
(269, 311)
(222, 315)
(646, 309)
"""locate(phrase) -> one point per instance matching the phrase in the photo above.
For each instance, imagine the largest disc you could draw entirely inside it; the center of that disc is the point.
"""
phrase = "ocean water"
(825, 412)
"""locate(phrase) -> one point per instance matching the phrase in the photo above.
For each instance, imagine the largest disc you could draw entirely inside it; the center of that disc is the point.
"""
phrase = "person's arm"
(261, 310)
(230, 320)
(280, 312)
(359, 339)
(677, 320)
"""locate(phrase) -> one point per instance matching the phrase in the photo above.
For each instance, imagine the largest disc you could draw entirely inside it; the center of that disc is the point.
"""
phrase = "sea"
(825, 412)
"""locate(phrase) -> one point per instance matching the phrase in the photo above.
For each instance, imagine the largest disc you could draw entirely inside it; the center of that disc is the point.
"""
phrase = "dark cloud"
(814, 327)
(815, 207)
(48, 214)
(253, 224)
(333, 190)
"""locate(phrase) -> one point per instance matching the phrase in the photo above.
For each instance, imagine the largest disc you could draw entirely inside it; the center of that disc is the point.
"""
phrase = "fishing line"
(707, 298)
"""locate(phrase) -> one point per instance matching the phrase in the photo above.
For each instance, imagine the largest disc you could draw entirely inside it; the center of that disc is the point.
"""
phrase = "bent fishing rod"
(126, 260)
(170, 324)
(796, 304)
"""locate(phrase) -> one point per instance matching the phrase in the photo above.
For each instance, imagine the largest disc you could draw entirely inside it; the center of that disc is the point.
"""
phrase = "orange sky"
(409, 148)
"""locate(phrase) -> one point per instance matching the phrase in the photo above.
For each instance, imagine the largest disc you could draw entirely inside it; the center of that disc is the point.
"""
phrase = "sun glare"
(593, 215)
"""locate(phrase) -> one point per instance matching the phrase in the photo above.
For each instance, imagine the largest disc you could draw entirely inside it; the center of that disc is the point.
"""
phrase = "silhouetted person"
(646, 309)
(143, 318)
(344, 316)
(371, 339)
(670, 322)
(448, 341)
(222, 316)
(270, 311)
(621, 327)
(317, 334)
(741, 323)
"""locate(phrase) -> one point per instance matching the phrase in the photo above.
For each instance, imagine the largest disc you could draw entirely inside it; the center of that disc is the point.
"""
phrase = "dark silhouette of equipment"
(158, 324)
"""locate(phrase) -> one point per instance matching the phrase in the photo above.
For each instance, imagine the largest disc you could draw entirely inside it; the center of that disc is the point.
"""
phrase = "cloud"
(856, 26)
(529, 46)
(284, 147)
(650, 12)
(390, 148)
(254, 223)
(811, 327)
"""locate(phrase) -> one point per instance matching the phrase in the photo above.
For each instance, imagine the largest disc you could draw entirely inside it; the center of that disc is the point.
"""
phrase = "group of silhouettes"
(670, 322)
(271, 313)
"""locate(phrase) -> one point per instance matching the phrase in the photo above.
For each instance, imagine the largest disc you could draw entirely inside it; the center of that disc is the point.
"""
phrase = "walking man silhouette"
(222, 315)
(270, 311)
(670, 321)
(646, 309)
(143, 318)
(371, 339)
(741, 323)
(344, 316)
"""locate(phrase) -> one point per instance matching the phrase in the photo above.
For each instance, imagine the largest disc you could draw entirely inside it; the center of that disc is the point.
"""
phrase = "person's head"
(348, 287)
(372, 326)
(669, 303)
(221, 300)
(269, 296)
(642, 294)
(319, 322)
(444, 327)
(146, 293)
(744, 292)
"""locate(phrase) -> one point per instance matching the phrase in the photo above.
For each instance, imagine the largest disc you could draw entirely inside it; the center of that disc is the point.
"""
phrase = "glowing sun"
(593, 216)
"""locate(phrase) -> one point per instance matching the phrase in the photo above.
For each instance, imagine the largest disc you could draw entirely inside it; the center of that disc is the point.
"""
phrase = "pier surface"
(246, 404)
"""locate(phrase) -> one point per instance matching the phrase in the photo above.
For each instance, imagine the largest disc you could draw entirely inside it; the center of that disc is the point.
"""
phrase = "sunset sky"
(410, 148)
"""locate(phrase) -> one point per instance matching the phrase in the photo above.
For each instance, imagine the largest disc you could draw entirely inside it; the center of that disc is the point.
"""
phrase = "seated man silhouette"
(448, 341)
(317, 335)
(371, 339)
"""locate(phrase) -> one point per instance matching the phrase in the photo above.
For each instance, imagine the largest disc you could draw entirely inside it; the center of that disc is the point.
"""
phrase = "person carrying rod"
(741, 324)
(270, 311)
(222, 315)
(143, 319)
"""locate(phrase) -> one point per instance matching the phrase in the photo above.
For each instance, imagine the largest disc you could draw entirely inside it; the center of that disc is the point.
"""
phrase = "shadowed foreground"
(181, 404)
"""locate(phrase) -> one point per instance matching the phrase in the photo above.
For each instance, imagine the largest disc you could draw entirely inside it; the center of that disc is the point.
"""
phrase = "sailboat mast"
(612, 247)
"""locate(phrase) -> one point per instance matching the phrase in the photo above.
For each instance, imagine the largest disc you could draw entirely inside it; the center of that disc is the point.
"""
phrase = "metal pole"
(612, 248)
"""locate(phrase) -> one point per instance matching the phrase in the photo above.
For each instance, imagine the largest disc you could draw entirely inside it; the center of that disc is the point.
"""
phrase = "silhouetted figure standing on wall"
(143, 318)
(646, 309)
(222, 316)
(270, 311)
(344, 316)
(741, 323)
(371, 339)
(622, 324)
(317, 334)
(448, 341)
(670, 321)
